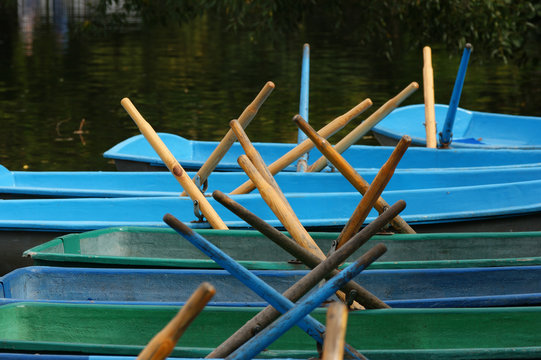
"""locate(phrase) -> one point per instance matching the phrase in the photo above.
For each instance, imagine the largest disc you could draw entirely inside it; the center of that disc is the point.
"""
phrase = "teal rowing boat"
(164, 248)
(485, 333)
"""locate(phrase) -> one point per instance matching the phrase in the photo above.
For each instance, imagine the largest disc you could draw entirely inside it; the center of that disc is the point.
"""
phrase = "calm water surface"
(192, 80)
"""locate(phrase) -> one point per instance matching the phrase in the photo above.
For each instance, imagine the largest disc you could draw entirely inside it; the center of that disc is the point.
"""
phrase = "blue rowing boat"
(405, 288)
(472, 129)
(136, 154)
(496, 207)
(80, 184)
(438, 206)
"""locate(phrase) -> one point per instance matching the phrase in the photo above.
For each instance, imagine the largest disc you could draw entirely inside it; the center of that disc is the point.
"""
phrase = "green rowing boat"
(495, 333)
(164, 248)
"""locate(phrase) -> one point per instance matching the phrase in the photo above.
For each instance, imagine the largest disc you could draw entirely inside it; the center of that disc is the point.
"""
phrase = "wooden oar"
(446, 134)
(363, 296)
(364, 127)
(266, 337)
(245, 118)
(163, 343)
(373, 193)
(295, 292)
(349, 172)
(173, 166)
(302, 163)
(273, 196)
(254, 156)
(428, 88)
(311, 326)
(306, 145)
(335, 337)
(280, 208)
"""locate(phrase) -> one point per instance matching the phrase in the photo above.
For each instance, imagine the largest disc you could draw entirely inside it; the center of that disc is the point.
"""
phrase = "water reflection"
(193, 79)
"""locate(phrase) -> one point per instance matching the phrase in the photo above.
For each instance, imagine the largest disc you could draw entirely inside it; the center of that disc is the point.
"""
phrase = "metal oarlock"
(197, 181)
(197, 212)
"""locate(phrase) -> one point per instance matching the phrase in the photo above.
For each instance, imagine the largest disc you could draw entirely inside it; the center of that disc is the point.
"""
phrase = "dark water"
(191, 80)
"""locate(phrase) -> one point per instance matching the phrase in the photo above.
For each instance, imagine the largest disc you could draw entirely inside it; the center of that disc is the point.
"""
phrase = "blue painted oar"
(266, 337)
(310, 325)
(447, 133)
(302, 163)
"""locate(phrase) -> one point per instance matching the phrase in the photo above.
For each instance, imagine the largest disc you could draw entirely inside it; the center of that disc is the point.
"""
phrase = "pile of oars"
(262, 330)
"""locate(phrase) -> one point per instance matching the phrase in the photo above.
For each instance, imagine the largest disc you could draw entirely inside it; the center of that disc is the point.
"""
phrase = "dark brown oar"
(348, 171)
(163, 343)
(269, 314)
(245, 118)
(335, 336)
(373, 193)
(363, 296)
(307, 145)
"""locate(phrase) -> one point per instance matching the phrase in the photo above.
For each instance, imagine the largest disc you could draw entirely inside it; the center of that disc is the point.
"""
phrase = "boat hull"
(412, 288)
(476, 208)
(82, 184)
(140, 247)
(192, 154)
(386, 334)
(472, 129)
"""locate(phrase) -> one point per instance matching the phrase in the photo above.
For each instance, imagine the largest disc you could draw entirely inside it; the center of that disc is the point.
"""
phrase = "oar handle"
(244, 119)
(307, 145)
(173, 165)
(163, 343)
(347, 170)
(335, 336)
(367, 125)
(447, 133)
(428, 88)
(374, 191)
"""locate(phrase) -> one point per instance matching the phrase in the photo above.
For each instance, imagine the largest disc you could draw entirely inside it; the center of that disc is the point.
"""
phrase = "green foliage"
(505, 29)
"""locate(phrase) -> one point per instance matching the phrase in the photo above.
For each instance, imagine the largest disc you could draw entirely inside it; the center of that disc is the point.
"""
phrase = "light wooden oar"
(244, 119)
(373, 193)
(173, 166)
(299, 289)
(348, 171)
(364, 127)
(335, 336)
(283, 212)
(279, 205)
(310, 325)
(428, 88)
(363, 296)
(256, 158)
(163, 343)
(306, 145)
